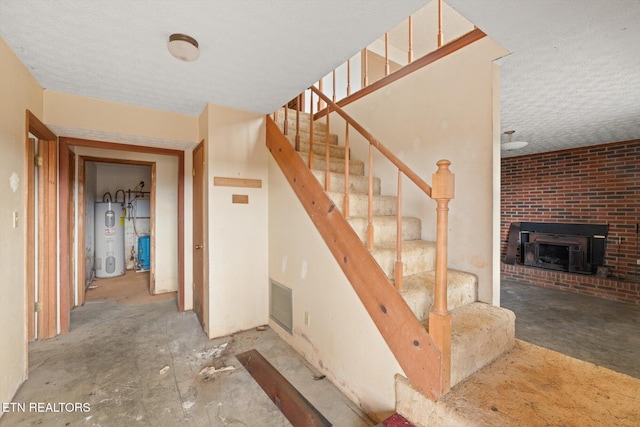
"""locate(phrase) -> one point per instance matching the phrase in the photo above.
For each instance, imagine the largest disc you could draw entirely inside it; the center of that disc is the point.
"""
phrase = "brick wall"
(589, 185)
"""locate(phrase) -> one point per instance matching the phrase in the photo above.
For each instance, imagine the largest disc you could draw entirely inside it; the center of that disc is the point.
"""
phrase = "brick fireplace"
(597, 185)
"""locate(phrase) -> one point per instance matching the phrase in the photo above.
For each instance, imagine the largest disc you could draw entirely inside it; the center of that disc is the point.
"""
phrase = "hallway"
(140, 364)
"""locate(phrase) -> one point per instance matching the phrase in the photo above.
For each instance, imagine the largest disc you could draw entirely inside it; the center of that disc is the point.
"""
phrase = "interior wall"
(340, 340)
(165, 259)
(19, 91)
(444, 111)
(237, 233)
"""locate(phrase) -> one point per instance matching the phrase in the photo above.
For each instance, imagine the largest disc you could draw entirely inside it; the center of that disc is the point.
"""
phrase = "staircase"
(480, 332)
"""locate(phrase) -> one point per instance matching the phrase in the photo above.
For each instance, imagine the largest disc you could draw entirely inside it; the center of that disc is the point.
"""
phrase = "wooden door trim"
(48, 295)
(65, 143)
(205, 275)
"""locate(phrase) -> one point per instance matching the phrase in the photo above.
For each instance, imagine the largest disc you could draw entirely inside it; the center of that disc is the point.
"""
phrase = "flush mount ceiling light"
(512, 145)
(183, 47)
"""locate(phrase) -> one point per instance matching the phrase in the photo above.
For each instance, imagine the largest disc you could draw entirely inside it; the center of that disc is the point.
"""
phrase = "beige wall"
(445, 111)
(237, 233)
(79, 112)
(18, 91)
(341, 340)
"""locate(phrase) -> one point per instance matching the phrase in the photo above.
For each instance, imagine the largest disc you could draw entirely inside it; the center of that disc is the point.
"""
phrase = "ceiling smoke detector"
(183, 47)
(512, 145)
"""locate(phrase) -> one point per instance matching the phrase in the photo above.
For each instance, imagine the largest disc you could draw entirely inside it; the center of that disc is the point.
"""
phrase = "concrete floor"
(592, 329)
(139, 364)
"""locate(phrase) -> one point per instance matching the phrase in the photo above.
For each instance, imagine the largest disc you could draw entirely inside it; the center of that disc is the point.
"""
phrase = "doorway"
(199, 233)
(116, 202)
(169, 176)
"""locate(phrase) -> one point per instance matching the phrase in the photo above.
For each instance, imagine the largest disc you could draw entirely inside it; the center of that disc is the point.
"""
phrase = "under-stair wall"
(340, 338)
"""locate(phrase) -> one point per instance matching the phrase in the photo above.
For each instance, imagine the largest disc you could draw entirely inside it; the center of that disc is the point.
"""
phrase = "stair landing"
(529, 386)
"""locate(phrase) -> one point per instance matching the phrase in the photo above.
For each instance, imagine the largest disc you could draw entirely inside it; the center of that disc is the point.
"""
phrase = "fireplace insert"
(576, 248)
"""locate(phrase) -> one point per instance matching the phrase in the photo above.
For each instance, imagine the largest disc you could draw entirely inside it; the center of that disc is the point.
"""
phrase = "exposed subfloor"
(140, 364)
(592, 329)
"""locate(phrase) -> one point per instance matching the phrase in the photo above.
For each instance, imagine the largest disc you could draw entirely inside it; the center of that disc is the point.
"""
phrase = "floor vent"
(281, 305)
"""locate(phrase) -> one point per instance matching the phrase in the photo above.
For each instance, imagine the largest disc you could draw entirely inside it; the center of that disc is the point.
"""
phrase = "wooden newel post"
(442, 191)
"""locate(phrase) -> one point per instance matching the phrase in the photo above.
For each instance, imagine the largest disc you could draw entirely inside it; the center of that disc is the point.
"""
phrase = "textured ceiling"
(572, 79)
(255, 54)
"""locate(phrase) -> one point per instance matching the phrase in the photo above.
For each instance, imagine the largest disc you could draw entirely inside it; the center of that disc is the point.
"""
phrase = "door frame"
(82, 160)
(66, 249)
(47, 286)
(205, 300)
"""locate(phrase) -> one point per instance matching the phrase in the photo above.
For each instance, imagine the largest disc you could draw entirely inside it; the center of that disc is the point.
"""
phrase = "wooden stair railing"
(377, 297)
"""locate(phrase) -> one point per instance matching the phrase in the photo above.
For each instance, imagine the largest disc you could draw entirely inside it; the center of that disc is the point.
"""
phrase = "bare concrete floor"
(599, 331)
(140, 364)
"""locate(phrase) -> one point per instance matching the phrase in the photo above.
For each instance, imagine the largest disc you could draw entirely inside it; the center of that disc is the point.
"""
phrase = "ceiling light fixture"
(183, 47)
(512, 145)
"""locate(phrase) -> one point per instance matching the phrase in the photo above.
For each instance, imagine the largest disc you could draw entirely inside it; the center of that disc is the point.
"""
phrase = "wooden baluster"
(370, 212)
(320, 101)
(410, 53)
(286, 120)
(311, 132)
(386, 54)
(348, 77)
(275, 116)
(442, 191)
(398, 271)
(365, 65)
(298, 106)
(440, 37)
(346, 171)
(334, 86)
(327, 157)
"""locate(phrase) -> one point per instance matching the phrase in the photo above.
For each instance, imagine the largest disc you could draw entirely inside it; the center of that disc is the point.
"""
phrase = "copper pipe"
(346, 171)
(370, 199)
(440, 37)
(398, 271)
(410, 52)
(386, 54)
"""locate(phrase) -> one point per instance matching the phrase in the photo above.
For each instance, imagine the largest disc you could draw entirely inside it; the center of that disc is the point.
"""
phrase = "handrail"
(426, 188)
(446, 49)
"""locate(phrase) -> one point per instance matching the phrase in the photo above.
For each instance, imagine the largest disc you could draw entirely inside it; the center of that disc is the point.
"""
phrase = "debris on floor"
(395, 420)
(261, 328)
(164, 370)
(214, 352)
(210, 370)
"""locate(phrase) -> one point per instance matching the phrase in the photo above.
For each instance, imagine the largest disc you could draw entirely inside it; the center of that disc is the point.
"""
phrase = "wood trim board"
(220, 181)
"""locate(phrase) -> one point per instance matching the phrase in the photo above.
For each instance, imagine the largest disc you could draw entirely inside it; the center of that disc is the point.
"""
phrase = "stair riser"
(385, 231)
(318, 137)
(359, 204)
(479, 338)
(462, 289)
(357, 184)
(335, 151)
(335, 165)
(414, 260)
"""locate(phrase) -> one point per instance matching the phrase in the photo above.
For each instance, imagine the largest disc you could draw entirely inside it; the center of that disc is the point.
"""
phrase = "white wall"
(237, 233)
(165, 259)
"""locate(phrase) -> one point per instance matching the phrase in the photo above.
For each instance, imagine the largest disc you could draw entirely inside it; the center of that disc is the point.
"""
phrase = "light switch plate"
(15, 219)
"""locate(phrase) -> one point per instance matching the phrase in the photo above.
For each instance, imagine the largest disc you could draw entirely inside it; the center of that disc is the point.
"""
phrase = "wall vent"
(281, 305)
